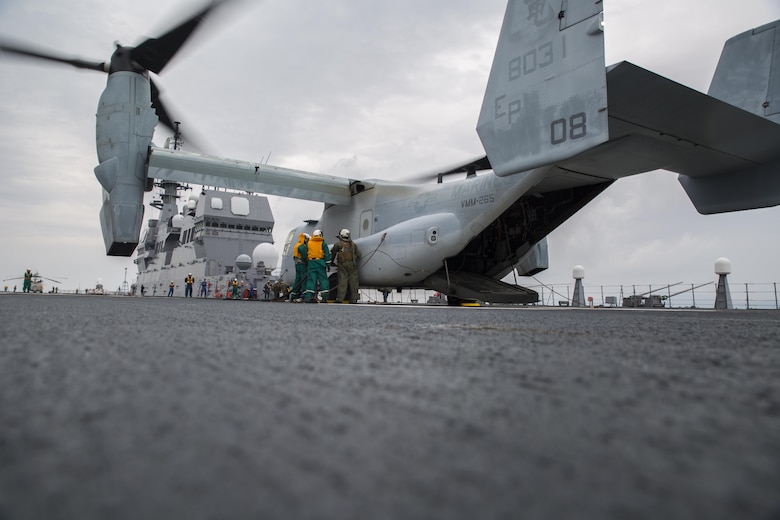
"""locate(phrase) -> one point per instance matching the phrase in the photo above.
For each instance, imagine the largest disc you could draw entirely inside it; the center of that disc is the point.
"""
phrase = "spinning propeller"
(128, 111)
(151, 55)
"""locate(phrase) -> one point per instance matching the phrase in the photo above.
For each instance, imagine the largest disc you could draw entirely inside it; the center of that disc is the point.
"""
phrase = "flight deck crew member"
(346, 255)
(188, 285)
(301, 259)
(204, 289)
(318, 255)
(170, 288)
(235, 288)
(27, 283)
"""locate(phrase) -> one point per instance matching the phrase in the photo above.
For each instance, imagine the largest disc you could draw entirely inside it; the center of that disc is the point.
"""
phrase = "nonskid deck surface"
(172, 407)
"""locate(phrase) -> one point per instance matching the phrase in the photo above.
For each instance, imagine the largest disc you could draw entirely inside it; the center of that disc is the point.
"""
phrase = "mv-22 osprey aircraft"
(557, 125)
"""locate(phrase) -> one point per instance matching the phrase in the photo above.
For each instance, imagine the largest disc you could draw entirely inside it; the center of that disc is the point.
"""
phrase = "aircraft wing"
(728, 154)
(180, 166)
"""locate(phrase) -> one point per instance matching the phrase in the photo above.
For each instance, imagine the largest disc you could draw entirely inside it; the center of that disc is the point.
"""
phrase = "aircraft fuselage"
(406, 232)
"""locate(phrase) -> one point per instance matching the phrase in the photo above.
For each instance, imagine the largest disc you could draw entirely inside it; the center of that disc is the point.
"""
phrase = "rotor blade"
(29, 52)
(469, 167)
(155, 53)
(478, 164)
(168, 119)
(157, 104)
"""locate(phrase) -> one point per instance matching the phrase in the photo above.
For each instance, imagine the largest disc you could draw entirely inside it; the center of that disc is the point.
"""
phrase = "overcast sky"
(358, 88)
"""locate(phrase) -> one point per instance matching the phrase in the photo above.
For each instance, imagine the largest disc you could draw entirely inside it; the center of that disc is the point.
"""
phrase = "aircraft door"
(366, 223)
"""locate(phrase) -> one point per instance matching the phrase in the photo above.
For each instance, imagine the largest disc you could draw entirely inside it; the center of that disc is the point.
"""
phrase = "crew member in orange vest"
(188, 281)
(317, 270)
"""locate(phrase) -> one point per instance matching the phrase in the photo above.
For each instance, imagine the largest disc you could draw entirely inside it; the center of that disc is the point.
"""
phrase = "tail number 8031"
(562, 130)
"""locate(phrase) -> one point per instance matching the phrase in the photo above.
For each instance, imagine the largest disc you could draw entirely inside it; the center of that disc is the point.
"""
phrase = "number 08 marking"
(562, 130)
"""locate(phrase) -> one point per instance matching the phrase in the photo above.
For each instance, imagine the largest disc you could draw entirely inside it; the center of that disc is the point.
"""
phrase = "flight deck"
(183, 408)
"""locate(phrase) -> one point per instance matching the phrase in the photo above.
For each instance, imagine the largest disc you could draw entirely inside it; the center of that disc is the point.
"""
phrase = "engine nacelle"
(125, 124)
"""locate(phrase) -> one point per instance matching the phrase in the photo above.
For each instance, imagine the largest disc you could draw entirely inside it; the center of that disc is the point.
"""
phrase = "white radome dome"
(578, 273)
(177, 221)
(243, 262)
(267, 254)
(722, 266)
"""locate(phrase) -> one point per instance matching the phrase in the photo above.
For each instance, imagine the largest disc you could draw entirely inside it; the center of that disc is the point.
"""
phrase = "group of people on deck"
(313, 257)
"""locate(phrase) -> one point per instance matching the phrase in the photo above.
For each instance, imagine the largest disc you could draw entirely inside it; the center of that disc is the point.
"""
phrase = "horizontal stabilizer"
(695, 134)
(179, 166)
(471, 286)
(727, 157)
(758, 187)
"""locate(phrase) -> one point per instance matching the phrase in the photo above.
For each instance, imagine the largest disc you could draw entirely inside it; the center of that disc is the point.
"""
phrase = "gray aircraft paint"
(546, 95)
(125, 124)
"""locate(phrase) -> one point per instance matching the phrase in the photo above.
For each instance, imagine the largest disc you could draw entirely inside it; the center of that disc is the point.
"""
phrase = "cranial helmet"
(344, 234)
(306, 236)
(317, 233)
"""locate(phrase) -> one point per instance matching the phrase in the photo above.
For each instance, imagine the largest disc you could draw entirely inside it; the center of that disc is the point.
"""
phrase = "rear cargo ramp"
(471, 286)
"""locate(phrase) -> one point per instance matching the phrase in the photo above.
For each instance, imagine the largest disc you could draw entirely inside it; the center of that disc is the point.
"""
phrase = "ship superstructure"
(212, 235)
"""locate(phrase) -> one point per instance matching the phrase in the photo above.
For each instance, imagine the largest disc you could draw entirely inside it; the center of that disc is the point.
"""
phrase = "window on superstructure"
(239, 206)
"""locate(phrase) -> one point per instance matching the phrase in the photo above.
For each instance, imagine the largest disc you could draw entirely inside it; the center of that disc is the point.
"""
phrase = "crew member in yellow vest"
(317, 269)
(301, 259)
(188, 285)
(345, 256)
(27, 283)
(235, 288)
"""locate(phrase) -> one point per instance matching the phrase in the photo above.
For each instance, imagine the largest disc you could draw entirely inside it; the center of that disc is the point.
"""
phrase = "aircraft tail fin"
(546, 98)
(748, 73)
(748, 77)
